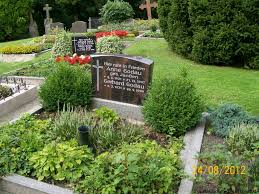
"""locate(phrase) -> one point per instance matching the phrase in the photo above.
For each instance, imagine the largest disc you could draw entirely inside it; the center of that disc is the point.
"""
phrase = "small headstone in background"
(121, 78)
(33, 27)
(94, 23)
(83, 45)
(79, 27)
(58, 25)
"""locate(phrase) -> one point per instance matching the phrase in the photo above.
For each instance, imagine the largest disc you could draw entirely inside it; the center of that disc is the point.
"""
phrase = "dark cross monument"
(48, 20)
(83, 45)
(121, 78)
(148, 6)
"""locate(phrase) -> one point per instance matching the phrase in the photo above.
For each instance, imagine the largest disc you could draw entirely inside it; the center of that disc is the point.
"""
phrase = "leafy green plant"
(63, 161)
(107, 115)
(112, 11)
(66, 85)
(62, 46)
(5, 91)
(69, 119)
(110, 44)
(226, 117)
(242, 138)
(153, 28)
(152, 34)
(172, 105)
(19, 140)
(136, 168)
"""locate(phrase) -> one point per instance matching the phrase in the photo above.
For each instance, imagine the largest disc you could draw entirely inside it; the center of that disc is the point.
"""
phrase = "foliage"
(66, 85)
(19, 140)
(14, 19)
(63, 161)
(110, 44)
(226, 117)
(136, 168)
(21, 49)
(105, 136)
(107, 115)
(5, 91)
(151, 34)
(172, 105)
(112, 11)
(89, 34)
(228, 37)
(242, 138)
(68, 120)
(236, 173)
(153, 28)
(62, 46)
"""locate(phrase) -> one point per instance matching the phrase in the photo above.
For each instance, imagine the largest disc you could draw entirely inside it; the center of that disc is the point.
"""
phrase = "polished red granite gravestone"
(121, 78)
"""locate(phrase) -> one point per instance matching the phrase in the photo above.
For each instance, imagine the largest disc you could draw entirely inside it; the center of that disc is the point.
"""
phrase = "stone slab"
(127, 111)
(10, 58)
(193, 142)
(17, 184)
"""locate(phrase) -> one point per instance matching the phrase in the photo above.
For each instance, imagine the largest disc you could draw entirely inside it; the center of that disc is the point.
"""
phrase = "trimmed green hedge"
(21, 49)
(222, 32)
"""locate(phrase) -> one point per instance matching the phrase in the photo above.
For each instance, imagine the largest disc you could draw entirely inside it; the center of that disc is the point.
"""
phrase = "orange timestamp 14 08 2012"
(217, 170)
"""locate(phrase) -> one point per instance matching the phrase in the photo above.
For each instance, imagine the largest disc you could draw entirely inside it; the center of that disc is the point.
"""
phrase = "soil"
(160, 138)
(207, 186)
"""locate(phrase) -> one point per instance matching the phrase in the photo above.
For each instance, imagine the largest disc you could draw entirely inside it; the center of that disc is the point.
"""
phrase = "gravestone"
(58, 25)
(79, 27)
(121, 78)
(94, 23)
(48, 20)
(84, 45)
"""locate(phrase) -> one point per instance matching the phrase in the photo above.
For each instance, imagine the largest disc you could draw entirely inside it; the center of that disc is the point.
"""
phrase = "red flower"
(67, 58)
(87, 59)
(58, 59)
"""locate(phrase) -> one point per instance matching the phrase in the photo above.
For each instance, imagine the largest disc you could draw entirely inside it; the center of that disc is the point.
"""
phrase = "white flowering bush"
(110, 44)
(62, 46)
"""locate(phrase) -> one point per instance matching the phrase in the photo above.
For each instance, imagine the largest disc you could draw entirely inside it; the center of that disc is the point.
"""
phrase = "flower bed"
(119, 33)
(48, 150)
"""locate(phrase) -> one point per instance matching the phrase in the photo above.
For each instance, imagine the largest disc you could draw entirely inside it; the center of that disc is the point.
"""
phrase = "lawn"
(216, 84)
(6, 67)
(16, 42)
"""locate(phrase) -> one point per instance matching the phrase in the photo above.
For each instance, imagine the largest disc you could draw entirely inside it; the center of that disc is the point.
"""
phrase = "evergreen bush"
(116, 11)
(110, 44)
(66, 85)
(172, 105)
(62, 46)
(222, 32)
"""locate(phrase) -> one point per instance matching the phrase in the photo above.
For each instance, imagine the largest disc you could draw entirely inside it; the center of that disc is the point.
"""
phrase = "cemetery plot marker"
(148, 6)
(121, 78)
(83, 45)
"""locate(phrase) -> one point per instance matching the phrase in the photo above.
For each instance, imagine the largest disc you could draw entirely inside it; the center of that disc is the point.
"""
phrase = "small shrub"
(153, 28)
(62, 46)
(89, 34)
(5, 92)
(62, 162)
(107, 115)
(172, 105)
(110, 44)
(153, 34)
(112, 11)
(68, 120)
(136, 168)
(226, 117)
(21, 49)
(66, 85)
(242, 138)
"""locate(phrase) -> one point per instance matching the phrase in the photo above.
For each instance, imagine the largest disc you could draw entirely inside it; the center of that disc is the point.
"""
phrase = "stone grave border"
(141, 37)
(192, 140)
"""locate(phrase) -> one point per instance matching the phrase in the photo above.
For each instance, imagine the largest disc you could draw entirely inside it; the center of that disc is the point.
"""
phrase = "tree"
(14, 19)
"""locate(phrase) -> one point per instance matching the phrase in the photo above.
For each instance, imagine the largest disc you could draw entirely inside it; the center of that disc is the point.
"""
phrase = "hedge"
(222, 32)
(21, 49)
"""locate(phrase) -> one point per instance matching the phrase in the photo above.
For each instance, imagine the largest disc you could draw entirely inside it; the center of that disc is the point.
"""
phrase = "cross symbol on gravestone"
(74, 41)
(148, 6)
(98, 67)
(47, 9)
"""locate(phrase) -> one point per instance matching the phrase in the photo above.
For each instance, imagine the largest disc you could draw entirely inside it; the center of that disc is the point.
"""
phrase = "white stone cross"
(98, 67)
(47, 9)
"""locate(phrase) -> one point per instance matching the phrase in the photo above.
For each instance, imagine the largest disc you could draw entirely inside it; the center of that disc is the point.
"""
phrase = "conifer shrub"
(66, 85)
(172, 105)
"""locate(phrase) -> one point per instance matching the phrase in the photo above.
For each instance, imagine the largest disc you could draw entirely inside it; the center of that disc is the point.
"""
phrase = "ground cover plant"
(110, 44)
(41, 153)
(5, 91)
